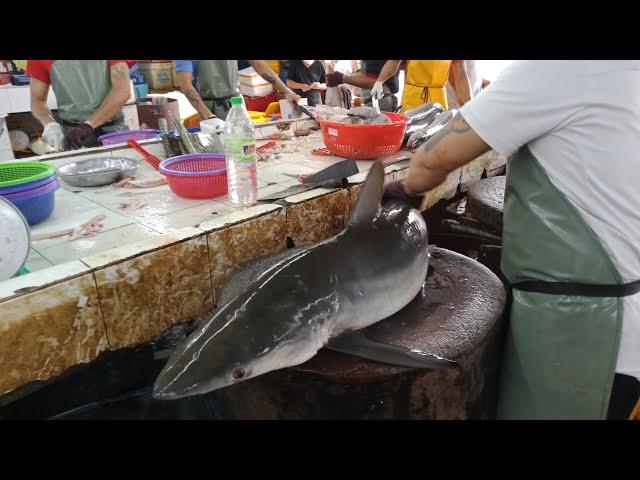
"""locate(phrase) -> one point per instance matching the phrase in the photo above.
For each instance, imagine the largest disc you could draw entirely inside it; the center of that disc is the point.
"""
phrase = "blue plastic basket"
(36, 205)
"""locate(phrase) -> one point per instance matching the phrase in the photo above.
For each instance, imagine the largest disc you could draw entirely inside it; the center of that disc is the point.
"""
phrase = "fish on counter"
(353, 116)
(420, 117)
(133, 205)
(422, 112)
(363, 116)
(324, 112)
(141, 183)
(88, 228)
(424, 133)
(279, 310)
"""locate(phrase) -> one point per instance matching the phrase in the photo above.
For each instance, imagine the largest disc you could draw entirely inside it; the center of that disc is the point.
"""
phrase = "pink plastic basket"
(198, 175)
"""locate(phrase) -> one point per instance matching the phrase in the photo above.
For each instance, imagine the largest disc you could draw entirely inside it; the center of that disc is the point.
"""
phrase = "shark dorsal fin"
(370, 197)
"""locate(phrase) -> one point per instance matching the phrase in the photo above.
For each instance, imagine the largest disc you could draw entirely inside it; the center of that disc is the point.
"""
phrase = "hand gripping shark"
(279, 310)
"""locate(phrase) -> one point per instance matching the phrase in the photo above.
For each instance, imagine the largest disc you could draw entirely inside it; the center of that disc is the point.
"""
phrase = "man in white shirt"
(571, 235)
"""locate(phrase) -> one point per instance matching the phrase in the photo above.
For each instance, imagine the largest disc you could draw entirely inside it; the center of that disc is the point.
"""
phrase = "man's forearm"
(117, 97)
(389, 69)
(40, 110)
(196, 101)
(263, 69)
(38, 93)
(453, 146)
(110, 107)
(462, 83)
(299, 86)
(359, 79)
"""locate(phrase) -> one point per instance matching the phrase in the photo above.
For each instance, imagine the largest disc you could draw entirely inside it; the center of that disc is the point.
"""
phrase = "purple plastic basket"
(36, 204)
(126, 135)
(27, 186)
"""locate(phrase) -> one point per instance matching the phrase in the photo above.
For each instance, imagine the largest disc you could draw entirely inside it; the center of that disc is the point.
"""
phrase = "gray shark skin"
(355, 342)
(364, 274)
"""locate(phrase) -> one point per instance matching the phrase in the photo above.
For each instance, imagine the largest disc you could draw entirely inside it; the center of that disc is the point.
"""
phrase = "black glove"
(76, 135)
(395, 191)
(334, 79)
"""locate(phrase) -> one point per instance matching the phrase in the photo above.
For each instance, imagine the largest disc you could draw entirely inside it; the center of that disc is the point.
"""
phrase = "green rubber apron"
(562, 341)
(217, 83)
(80, 87)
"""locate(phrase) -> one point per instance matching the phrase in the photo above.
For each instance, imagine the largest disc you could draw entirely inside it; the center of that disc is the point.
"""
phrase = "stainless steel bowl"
(99, 171)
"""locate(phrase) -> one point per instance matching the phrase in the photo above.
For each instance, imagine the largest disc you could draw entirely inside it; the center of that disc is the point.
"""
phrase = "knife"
(342, 169)
(304, 187)
(306, 111)
(334, 176)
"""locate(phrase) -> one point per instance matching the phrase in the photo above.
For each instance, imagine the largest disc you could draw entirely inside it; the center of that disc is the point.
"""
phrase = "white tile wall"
(5, 106)
(19, 99)
(16, 99)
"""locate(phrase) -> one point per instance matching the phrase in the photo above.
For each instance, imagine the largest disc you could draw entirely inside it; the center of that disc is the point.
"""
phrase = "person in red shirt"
(90, 96)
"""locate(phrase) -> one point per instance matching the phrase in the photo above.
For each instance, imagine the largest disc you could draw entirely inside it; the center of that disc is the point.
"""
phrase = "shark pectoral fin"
(370, 197)
(358, 344)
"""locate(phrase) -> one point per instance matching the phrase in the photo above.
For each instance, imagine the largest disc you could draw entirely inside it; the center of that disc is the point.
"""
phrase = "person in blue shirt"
(210, 84)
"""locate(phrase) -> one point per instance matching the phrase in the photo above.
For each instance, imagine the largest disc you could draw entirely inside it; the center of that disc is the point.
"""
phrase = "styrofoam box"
(249, 77)
(256, 91)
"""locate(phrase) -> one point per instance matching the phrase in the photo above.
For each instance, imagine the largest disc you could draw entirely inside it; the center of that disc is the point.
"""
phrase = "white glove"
(377, 90)
(53, 135)
(212, 125)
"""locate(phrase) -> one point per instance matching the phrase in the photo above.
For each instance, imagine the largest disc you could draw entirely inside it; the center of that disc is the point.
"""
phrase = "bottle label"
(243, 149)
(249, 149)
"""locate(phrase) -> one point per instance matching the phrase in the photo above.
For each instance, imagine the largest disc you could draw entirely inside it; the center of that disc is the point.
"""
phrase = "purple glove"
(395, 191)
(76, 135)
(334, 79)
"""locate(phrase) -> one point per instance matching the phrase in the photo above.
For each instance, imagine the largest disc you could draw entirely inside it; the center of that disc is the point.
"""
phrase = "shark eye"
(238, 373)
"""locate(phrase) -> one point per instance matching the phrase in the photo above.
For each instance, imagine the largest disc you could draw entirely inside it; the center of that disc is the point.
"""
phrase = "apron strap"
(579, 289)
(217, 99)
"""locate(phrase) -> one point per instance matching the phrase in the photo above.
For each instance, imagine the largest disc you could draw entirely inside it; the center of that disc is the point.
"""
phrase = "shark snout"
(173, 384)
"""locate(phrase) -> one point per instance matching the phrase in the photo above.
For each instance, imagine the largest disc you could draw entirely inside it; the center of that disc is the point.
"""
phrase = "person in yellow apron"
(570, 250)
(210, 84)
(90, 95)
(425, 81)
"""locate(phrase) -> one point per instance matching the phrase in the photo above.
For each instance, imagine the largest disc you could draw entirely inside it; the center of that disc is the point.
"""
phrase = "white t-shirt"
(581, 120)
(475, 80)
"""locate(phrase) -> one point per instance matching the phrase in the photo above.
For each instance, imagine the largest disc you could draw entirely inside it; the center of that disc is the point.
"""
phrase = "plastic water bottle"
(240, 151)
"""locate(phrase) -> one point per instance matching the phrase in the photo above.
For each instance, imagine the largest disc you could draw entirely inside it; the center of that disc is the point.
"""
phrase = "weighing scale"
(15, 240)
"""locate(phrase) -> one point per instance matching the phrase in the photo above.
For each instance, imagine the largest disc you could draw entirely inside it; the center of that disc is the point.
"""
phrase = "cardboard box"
(157, 73)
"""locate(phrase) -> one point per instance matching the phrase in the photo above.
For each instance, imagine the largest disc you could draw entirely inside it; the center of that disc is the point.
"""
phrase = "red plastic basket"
(365, 142)
(198, 175)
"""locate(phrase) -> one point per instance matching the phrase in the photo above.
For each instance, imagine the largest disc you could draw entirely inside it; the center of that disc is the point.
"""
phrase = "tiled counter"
(152, 268)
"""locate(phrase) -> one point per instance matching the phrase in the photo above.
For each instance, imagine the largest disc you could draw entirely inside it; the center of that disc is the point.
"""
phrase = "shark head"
(242, 340)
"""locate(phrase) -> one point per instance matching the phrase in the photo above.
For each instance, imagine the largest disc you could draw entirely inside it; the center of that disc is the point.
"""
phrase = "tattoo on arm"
(457, 125)
(268, 77)
(192, 95)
